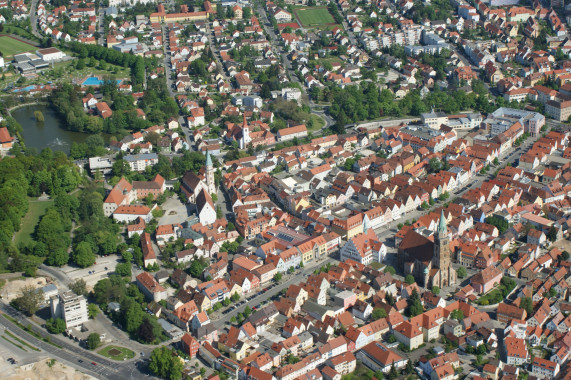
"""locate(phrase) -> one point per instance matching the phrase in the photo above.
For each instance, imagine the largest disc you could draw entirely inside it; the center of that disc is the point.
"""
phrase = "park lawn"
(116, 352)
(36, 210)
(73, 73)
(10, 46)
(314, 16)
(318, 123)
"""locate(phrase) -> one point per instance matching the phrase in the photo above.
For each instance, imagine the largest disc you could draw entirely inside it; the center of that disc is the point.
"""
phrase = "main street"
(170, 83)
(34, 19)
(70, 354)
(387, 231)
(300, 275)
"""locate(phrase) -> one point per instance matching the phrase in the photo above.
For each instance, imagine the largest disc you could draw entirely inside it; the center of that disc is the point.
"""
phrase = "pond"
(47, 134)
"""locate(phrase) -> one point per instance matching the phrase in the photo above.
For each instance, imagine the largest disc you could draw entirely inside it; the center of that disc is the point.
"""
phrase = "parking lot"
(175, 211)
(103, 267)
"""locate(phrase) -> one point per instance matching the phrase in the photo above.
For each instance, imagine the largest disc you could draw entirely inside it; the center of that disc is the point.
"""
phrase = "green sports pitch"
(314, 16)
(10, 46)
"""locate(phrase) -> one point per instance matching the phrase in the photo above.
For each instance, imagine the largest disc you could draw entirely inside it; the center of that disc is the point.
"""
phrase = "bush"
(55, 326)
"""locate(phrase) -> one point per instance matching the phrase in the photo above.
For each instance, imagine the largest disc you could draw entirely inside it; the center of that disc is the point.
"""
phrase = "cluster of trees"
(436, 10)
(97, 234)
(93, 146)
(132, 317)
(164, 362)
(270, 82)
(364, 102)
(501, 224)
(67, 102)
(332, 7)
(31, 175)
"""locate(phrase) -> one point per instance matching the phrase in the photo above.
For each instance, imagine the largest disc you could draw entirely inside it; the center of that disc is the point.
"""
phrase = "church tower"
(210, 174)
(245, 140)
(441, 257)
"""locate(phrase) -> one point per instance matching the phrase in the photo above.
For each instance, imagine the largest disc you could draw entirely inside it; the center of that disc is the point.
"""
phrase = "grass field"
(116, 353)
(35, 211)
(318, 123)
(314, 16)
(10, 46)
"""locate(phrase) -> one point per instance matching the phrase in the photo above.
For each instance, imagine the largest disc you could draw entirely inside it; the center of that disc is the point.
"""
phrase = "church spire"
(244, 123)
(208, 159)
(442, 230)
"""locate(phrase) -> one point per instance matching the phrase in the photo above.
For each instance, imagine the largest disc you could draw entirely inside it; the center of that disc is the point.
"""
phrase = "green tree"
(390, 270)
(93, 341)
(55, 326)
(278, 277)
(378, 313)
(197, 267)
(527, 304)
(393, 374)
(436, 290)
(123, 269)
(414, 304)
(564, 256)
(461, 272)
(83, 255)
(457, 314)
(79, 287)
(29, 300)
(552, 234)
(164, 363)
(92, 310)
(409, 279)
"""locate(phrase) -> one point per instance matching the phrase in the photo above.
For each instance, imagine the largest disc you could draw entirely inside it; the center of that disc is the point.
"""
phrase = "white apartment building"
(69, 307)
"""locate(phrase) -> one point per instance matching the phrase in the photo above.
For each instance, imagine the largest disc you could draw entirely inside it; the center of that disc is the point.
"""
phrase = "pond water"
(47, 134)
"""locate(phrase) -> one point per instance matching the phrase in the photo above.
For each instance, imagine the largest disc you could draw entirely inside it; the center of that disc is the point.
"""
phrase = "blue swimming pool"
(95, 81)
(25, 89)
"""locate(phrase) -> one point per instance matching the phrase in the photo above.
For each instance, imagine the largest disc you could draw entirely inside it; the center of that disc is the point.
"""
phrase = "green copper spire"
(208, 159)
(442, 225)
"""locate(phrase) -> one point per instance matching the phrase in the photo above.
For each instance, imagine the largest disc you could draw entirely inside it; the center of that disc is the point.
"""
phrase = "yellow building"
(349, 227)
(313, 249)
(178, 17)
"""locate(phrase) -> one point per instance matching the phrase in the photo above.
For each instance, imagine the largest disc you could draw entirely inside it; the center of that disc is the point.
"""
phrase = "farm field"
(314, 16)
(10, 46)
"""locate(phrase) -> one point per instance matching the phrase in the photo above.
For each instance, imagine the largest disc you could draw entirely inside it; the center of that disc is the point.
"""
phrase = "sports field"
(10, 46)
(314, 16)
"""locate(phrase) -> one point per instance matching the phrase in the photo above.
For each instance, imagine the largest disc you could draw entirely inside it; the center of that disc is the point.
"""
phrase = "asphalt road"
(34, 19)
(70, 354)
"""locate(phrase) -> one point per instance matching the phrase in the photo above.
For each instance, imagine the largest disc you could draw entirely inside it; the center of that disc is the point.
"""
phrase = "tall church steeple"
(245, 140)
(441, 258)
(210, 183)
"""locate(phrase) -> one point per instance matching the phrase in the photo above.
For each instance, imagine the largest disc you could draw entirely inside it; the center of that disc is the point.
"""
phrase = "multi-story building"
(69, 307)
(545, 369)
(434, 119)
(139, 162)
(560, 111)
